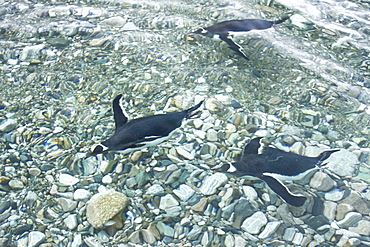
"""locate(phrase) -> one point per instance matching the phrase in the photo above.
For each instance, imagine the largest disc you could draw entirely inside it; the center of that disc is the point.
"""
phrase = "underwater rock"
(103, 206)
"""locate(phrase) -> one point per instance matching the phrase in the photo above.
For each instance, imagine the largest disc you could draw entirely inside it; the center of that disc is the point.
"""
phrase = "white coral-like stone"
(103, 206)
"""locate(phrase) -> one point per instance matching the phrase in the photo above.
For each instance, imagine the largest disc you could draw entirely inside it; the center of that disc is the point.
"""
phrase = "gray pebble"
(71, 221)
(8, 125)
(35, 238)
(16, 184)
(322, 181)
(350, 219)
(254, 223)
(270, 229)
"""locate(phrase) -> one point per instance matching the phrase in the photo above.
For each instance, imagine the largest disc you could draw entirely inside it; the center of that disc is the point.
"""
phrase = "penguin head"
(202, 31)
(97, 149)
(227, 168)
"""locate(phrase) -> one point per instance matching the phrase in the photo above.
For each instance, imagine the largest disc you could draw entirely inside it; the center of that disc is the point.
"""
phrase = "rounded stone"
(103, 206)
(67, 179)
(254, 223)
(34, 171)
(16, 184)
(35, 238)
(322, 182)
(81, 195)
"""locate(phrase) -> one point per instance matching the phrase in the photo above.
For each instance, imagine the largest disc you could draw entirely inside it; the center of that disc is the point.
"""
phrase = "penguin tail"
(324, 155)
(189, 112)
(281, 20)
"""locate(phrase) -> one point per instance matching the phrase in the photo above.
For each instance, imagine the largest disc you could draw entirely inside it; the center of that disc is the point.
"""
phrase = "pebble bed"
(62, 64)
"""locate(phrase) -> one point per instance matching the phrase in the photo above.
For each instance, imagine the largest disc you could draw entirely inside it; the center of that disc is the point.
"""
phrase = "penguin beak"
(90, 155)
(191, 37)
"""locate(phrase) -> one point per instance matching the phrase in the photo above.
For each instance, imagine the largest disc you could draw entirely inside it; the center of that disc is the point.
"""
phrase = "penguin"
(141, 132)
(226, 30)
(270, 164)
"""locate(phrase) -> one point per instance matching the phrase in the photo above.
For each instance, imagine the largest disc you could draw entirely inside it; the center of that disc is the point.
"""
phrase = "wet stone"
(285, 214)
(168, 201)
(194, 233)
(22, 229)
(71, 221)
(16, 184)
(317, 221)
(66, 204)
(289, 234)
(211, 183)
(35, 238)
(350, 219)
(116, 21)
(8, 125)
(287, 140)
(334, 195)
(243, 209)
(155, 189)
(104, 206)
(30, 198)
(330, 210)
(342, 210)
(181, 151)
(34, 171)
(254, 223)
(355, 200)
(342, 163)
(250, 193)
(184, 192)
(364, 174)
(165, 230)
(362, 227)
(322, 182)
(269, 230)
(81, 195)
(201, 205)
(68, 180)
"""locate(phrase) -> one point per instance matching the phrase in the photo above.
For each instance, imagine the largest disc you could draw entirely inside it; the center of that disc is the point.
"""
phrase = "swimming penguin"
(141, 132)
(272, 163)
(226, 30)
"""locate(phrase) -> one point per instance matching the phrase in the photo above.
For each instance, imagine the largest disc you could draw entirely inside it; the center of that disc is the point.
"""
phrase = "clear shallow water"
(60, 68)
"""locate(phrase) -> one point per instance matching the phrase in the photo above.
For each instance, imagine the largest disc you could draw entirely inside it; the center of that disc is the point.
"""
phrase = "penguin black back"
(141, 132)
(272, 162)
(227, 29)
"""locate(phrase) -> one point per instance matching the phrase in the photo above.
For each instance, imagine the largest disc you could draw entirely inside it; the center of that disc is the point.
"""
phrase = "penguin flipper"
(120, 115)
(252, 147)
(189, 112)
(233, 46)
(279, 188)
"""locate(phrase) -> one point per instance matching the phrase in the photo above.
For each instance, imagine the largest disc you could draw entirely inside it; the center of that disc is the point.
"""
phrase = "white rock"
(35, 238)
(130, 26)
(181, 151)
(116, 21)
(8, 125)
(250, 193)
(155, 189)
(342, 163)
(270, 229)
(107, 179)
(103, 206)
(168, 201)
(67, 180)
(211, 183)
(184, 192)
(92, 242)
(77, 240)
(81, 195)
(240, 241)
(71, 221)
(254, 223)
